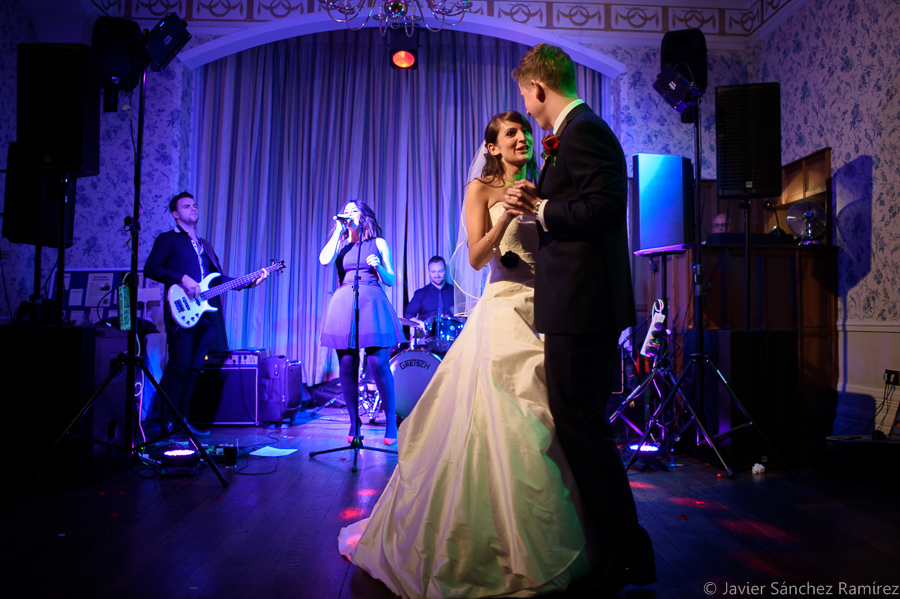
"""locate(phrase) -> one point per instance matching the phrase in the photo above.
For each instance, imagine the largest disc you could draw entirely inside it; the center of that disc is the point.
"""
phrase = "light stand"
(660, 376)
(689, 96)
(131, 360)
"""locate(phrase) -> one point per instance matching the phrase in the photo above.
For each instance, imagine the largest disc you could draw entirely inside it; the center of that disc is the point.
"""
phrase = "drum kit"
(413, 363)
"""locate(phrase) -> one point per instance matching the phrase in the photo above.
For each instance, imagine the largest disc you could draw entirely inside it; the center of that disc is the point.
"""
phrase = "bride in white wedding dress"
(482, 503)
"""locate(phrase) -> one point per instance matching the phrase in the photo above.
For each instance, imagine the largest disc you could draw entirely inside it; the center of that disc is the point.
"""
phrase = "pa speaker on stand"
(748, 153)
(748, 140)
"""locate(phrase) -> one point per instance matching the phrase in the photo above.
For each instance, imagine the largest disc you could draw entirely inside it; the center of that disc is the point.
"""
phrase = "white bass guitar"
(186, 311)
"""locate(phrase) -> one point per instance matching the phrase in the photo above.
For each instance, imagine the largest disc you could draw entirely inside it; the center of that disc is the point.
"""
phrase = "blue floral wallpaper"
(17, 261)
(647, 124)
(838, 64)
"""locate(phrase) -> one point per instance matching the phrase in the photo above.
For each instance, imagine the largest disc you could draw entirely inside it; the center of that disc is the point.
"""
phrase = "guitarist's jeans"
(187, 349)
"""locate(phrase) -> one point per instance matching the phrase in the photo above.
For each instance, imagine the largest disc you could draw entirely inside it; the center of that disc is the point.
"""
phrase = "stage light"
(677, 91)
(180, 461)
(402, 59)
(125, 51)
(403, 51)
(645, 448)
(165, 40)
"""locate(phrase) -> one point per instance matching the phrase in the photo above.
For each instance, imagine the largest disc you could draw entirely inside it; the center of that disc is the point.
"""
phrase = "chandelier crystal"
(398, 14)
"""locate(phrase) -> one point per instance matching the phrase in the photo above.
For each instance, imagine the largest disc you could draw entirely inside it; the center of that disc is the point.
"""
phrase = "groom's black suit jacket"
(583, 273)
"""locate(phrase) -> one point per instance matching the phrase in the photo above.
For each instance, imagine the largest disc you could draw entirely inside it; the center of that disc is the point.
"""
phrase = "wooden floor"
(272, 532)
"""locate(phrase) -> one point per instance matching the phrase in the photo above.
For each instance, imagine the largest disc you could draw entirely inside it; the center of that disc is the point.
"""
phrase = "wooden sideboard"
(792, 288)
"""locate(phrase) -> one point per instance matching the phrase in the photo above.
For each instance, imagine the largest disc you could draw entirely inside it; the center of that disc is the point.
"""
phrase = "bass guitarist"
(181, 257)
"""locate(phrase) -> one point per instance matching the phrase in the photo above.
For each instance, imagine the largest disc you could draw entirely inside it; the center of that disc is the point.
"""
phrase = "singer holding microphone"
(364, 257)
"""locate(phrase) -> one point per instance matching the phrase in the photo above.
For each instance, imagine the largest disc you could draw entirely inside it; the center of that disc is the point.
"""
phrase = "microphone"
(342, 218)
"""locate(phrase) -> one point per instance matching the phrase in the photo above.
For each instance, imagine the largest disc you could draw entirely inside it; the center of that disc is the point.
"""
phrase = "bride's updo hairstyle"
(493, 165)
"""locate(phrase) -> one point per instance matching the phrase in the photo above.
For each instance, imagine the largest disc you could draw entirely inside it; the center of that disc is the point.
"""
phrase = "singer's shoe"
(388, 441)
(352, 431)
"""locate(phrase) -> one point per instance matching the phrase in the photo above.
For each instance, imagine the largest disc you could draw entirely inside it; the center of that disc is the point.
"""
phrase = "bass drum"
(412, 370)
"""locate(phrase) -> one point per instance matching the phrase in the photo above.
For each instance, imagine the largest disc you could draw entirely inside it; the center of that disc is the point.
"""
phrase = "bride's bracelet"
(493, 247)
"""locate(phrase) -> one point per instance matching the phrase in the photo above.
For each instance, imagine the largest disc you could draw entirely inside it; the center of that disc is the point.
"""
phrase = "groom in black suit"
(583, 301)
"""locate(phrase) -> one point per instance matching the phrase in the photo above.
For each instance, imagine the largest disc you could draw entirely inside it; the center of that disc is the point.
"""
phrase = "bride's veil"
(469, 283)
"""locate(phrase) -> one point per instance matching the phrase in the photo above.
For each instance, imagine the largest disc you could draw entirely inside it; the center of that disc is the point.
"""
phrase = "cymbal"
(407, 322)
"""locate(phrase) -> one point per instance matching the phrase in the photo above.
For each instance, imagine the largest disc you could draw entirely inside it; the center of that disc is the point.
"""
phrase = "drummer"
(432, 300)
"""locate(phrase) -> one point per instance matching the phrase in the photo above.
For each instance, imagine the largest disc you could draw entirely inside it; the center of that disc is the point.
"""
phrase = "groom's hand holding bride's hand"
(521, 198)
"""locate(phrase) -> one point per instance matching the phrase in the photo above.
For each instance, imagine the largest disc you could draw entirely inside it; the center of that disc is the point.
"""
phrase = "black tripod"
(699, 360)
(661, 378)
(660, 375)
(131, 360)
(356, 444)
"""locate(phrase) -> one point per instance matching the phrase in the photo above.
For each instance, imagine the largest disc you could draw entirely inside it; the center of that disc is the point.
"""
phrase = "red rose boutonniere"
(551, 147)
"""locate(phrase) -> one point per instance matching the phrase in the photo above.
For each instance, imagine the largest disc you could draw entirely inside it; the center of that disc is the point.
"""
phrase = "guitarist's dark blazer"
(583, 273)
(172, 257)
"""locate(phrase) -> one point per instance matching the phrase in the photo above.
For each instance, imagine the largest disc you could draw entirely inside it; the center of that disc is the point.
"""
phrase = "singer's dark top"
(425, 301)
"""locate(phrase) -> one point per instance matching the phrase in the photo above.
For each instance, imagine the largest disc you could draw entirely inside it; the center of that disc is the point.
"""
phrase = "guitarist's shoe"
(198, 432)
(171, 427)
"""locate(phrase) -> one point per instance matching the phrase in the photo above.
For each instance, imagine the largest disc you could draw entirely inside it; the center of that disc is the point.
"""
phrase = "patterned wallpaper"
(103, 201)
(17, 260)
(837, 62)
(647, 124)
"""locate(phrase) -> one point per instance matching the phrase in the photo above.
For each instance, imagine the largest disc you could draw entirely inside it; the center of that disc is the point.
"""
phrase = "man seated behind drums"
(434, 299)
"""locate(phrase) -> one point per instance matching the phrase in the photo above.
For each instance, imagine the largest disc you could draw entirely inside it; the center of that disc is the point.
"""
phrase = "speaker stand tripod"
(132, 360)
(131, 363)
(696, 362)
(661, 378)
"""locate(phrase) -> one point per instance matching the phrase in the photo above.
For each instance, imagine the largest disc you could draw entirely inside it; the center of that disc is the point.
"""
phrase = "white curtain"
(285, 134)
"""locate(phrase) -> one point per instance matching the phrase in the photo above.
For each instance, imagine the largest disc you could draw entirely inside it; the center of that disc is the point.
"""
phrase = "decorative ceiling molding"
(725, 23)
(264, 33)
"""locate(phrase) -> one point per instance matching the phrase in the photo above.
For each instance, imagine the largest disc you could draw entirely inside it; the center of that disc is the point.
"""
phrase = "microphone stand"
(357, 443)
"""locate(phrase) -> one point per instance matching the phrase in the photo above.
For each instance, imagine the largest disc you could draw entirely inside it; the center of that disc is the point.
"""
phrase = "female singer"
(362, 254)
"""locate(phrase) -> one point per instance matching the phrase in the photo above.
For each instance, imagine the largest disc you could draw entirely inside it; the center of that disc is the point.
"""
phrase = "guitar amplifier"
(227, 391)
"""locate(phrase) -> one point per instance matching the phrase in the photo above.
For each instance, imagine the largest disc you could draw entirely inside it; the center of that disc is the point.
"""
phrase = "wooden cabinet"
(792, 288)
(808, 178)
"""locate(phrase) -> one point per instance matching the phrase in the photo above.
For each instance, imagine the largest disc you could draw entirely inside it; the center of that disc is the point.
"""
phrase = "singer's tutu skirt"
(378, 324)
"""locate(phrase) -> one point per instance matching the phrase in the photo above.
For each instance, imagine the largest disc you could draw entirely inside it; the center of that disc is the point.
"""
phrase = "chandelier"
(399, 14)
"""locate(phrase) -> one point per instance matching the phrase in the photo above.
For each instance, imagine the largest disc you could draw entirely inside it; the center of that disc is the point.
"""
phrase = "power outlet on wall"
(892, 377)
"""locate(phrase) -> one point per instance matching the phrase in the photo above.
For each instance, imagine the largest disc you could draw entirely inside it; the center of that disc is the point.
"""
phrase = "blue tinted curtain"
(284, 134)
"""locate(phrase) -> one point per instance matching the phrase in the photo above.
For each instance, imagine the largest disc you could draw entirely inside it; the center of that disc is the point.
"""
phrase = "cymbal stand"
(370, 400)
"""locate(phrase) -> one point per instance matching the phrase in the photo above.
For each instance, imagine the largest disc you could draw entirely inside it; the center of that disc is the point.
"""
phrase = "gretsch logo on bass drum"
(414, 363)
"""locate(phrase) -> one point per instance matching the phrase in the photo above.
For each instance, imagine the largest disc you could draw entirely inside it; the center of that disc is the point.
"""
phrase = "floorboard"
(272, 532)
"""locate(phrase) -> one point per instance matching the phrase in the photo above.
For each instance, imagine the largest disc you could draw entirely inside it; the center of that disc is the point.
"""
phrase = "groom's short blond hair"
(550, 65)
